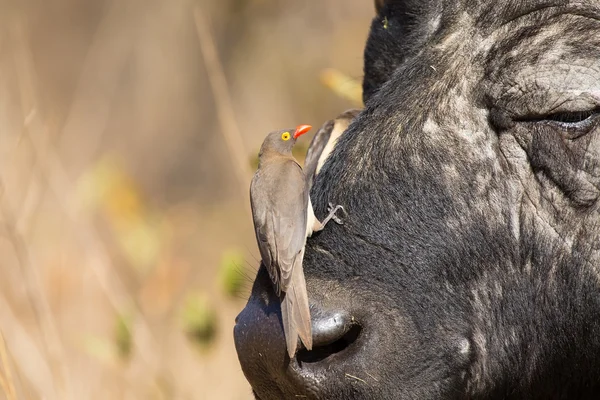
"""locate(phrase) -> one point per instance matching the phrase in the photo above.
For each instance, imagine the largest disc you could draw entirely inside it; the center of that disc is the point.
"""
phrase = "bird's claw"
(332, 209)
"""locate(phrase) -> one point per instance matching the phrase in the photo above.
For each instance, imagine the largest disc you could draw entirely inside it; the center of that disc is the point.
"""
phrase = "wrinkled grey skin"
(468, 266)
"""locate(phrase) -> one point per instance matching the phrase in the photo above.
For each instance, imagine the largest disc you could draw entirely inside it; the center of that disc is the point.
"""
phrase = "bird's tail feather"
(295, 311)
(301, 311)
(289, 328)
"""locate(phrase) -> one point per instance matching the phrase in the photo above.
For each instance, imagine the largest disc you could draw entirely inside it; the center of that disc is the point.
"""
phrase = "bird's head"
(282, 141)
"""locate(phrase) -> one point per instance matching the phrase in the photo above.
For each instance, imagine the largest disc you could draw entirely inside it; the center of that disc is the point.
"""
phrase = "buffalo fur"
(470, 252)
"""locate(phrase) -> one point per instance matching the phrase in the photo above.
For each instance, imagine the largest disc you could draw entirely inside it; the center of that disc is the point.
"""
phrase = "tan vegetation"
(128, 130)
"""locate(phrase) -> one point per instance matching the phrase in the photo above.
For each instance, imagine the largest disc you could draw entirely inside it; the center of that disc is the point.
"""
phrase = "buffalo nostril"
(331, 335)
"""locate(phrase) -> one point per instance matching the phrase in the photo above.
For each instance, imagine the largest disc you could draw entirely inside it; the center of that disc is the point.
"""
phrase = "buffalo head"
(469, 263)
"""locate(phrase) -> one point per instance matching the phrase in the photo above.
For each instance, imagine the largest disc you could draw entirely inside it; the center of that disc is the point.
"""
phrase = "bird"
(325, 140)
(283, 218)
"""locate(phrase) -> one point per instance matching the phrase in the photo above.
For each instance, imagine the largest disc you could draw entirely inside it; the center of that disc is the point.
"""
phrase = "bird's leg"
(332, 210)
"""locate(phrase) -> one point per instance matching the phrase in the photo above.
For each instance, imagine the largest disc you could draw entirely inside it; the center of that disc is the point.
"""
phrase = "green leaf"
(123, 335)
(232, 273)
(199, 319)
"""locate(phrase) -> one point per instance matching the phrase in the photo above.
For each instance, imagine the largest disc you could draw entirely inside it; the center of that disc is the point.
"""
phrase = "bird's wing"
(313, 154)
(279, 199)
(263, 226)
(324, 141)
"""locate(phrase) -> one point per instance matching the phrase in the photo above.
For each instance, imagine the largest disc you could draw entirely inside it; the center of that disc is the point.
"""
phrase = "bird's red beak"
(301, 130)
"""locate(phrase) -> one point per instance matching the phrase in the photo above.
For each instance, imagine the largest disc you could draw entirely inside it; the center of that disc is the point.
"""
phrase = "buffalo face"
(469, 263)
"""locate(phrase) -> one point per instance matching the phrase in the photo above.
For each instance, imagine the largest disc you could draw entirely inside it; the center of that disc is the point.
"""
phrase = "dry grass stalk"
(53, 175)
(34, 288)
(35, 293)
(355, 378)
(6, 379)
(26, 355)
(225, 113)
(4, 386)
(342, 85)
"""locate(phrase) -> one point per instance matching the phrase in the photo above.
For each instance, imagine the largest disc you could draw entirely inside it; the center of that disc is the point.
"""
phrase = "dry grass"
(6, 379)
(220, 91)
(126, 133)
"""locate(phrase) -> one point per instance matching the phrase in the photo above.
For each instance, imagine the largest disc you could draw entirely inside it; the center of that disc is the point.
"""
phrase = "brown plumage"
(283, 218)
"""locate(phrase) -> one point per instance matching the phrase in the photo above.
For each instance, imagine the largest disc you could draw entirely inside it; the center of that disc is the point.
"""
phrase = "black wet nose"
(261, 345)
(333, 332)
(258, 336)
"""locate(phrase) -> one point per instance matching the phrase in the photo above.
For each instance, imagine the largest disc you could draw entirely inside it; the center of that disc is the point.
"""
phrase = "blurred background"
(128, 136)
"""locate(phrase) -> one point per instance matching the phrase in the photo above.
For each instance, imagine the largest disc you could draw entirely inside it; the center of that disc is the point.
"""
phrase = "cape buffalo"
(468, 264)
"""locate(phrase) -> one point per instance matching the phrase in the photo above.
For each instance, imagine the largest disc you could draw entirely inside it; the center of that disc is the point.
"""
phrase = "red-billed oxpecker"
(283, 218)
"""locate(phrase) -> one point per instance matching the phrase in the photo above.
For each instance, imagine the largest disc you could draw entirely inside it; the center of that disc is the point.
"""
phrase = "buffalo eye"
(574, 123)
(579, 122)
